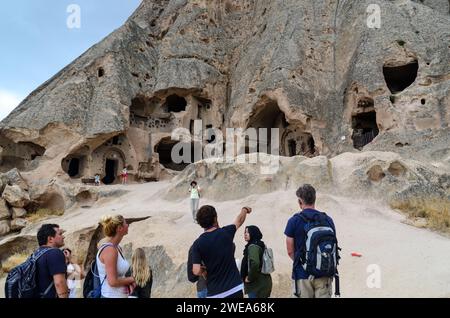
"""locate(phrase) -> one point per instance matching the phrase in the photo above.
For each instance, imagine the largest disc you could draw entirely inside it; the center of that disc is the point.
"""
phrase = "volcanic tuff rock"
(314, 69)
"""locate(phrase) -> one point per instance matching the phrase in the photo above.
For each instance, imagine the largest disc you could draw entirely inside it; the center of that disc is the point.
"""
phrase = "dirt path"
(412, 262)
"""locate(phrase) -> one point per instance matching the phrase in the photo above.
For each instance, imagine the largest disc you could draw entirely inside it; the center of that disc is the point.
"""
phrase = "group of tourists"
(311, 243)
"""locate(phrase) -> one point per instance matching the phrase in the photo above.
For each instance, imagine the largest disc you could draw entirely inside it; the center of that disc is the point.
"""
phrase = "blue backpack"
(92, 286)
(319, 256)
(21, 280)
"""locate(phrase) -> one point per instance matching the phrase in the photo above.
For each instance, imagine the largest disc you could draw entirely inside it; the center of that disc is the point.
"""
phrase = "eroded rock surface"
(317, 70)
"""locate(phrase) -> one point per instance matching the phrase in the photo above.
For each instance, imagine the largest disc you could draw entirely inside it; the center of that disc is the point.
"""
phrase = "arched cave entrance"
(267, 116)
(74, 165)
(293, 139)
(398, 78)
(298, 143)
(164, 149)
(113, 163)
(19, 155)
(111, 169)
(365, 129)
(176, 104)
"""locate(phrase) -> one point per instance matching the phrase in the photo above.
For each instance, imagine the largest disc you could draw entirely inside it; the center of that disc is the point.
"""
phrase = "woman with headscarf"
(256, 284)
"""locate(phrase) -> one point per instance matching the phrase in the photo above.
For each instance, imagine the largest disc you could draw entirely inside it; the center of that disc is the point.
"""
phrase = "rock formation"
(362, 111)
(315, 70)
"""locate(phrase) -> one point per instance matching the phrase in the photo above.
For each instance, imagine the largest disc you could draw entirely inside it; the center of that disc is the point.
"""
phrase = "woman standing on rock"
(124, 175)
(142, 274)
(194, 189)
(112, 266)
(256, 284)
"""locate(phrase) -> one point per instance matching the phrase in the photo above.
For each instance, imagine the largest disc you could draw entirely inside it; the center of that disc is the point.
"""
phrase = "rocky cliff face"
(314, 69)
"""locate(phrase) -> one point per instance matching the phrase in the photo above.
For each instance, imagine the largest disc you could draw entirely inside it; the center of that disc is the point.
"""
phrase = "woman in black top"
(142, 274)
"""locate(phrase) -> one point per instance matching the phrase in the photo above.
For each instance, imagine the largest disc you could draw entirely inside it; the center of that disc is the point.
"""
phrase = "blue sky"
(35, 41)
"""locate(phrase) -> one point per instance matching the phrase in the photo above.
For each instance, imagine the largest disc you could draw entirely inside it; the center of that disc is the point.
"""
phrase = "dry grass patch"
(43, 214)
(13, 261)
(435, 210)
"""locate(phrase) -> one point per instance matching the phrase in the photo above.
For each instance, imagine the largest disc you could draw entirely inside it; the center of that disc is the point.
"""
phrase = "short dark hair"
(44, 232)
(193, 182)
(307, 194)
(67, 249)
(206, 216)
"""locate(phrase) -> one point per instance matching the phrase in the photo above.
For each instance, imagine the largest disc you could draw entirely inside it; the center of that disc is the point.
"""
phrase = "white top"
(122, 269)
(71, 283)
(195, 192)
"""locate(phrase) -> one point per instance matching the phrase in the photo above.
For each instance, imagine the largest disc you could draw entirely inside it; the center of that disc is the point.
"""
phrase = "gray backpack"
(268, 266)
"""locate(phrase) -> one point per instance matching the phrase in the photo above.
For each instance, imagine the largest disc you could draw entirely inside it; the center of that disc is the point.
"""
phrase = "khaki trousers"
(316, 288)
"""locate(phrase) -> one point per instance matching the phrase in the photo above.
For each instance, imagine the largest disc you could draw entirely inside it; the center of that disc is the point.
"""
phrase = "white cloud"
(8, 101)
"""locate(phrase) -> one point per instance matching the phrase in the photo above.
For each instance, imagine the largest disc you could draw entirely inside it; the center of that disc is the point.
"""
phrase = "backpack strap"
(101, 250)
(38, 255)
(321, 216)
(299, 259)
(110, 244)
(103, 246)
(337, 291)
(119, 249)
(48, 289)
(304, 217)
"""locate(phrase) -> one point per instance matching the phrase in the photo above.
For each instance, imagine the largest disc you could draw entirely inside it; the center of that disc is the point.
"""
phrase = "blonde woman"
(142, 274)
(112, 266)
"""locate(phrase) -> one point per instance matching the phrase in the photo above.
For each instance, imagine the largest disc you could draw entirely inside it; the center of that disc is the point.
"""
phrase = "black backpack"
(319, 256)
(92, 282)
(92, 286)
(21, 280)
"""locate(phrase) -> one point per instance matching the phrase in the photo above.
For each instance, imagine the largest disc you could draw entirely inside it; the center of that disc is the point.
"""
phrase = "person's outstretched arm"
(241, 217)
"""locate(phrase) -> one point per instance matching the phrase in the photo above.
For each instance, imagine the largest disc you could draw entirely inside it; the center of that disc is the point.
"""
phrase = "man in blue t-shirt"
(215, 249)
(51, 267)
(319, 287)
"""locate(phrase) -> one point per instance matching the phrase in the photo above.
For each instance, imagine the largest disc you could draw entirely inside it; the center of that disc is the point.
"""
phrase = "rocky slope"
(358, 191)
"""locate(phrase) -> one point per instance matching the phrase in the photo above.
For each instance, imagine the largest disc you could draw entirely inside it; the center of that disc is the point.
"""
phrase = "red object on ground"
(356, 254)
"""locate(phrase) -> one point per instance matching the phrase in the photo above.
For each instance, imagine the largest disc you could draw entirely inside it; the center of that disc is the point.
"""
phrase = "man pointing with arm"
(215, 248)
